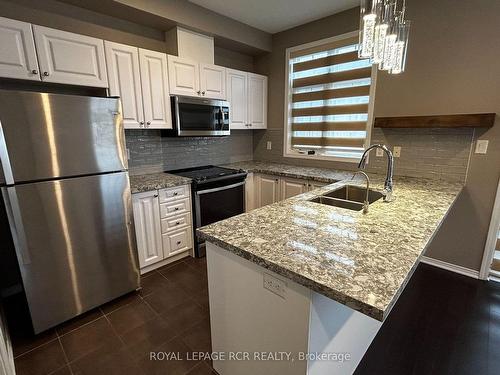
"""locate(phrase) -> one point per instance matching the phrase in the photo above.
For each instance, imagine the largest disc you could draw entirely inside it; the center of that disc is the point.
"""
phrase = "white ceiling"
(276, 15)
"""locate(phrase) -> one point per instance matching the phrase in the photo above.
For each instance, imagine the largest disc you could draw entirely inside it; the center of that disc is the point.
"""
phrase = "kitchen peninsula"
(301, 277)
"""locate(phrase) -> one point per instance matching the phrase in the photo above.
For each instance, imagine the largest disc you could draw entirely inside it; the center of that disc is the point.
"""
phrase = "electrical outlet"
(379, 152)
(275, 285)
(128, 154)
(481, 146)
(396, 151)
(269, 145)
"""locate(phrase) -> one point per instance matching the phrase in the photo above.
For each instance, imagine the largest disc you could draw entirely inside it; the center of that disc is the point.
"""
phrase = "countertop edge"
(361, 307)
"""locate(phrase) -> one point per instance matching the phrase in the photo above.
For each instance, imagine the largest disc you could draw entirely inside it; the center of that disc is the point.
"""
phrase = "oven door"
(219, 203)
(201, 117)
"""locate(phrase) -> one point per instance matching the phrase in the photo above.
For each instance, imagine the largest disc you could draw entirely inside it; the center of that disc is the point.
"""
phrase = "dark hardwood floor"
(443, 323)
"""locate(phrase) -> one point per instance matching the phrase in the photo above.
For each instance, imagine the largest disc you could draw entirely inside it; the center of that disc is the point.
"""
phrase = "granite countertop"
(312, 173)
(154, 181)
(362, 261)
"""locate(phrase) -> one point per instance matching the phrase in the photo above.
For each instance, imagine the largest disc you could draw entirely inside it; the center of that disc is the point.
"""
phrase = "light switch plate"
(128, 154)
(269, 145)
(379, 152)
(481, 146)
(275, 285)
(396, 151)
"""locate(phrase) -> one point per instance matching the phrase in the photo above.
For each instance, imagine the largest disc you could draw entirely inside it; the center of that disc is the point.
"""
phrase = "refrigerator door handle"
(16, 225)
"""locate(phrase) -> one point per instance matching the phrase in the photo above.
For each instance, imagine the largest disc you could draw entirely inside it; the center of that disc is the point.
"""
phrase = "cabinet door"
(124, 79)
(315, 185)
(257, 101)
(237, 90)
(184, 76)
(17, 53)
(268, 190)
(147, 227)
(213, 81)
(70, 58)
(291, 187)
(155, 93)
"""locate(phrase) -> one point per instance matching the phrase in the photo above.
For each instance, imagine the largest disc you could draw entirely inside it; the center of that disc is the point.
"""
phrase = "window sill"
(321, 157)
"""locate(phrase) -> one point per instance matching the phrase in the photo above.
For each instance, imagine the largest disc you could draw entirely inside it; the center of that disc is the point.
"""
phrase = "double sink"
(349, 196)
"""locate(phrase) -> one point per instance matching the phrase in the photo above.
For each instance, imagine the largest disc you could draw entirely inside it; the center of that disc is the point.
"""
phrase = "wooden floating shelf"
(476, 120)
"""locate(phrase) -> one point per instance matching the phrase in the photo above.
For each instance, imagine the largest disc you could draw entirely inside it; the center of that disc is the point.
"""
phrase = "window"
(328, 107)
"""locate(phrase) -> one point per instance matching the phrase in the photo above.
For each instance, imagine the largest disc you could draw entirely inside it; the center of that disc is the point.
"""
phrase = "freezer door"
(45, 136)
(74, 243)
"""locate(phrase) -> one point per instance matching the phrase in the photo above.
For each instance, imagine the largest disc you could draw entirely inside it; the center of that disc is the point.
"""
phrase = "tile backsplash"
(149, 152)
(429, 153)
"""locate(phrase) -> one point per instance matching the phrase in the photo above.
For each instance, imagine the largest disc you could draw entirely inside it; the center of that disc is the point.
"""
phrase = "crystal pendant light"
(401, 47)
(368, 19)
(384, 10)
(383, 35)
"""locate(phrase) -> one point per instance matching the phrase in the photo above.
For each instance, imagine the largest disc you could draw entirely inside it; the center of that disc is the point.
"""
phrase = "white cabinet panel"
(291, 187)
(183, 76)
(177, 207)
(177, 242)
(124, 78)
(257, 101)
(70, 58)
(237, 95)
(268, 190)
(213, 81)
(155, 92)
(17, 53)
(147, 227)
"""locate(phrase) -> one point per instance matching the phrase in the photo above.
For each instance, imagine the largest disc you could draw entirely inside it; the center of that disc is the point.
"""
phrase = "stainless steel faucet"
(388, 186)
(366, 203)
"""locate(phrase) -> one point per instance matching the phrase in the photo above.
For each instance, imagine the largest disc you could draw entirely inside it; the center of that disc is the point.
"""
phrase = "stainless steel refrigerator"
(68, 201)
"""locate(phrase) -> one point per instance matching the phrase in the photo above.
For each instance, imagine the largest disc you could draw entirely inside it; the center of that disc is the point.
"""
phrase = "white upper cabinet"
(257, 101)
(183, 76)
(147, 223)
(17, 53)
(190, 78)
(247, 93)
(124, 78)
(237, 97)
(70, 58)
(213, 81)
(155, 92)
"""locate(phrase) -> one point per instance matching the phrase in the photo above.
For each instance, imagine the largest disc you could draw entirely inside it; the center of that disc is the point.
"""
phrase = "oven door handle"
(220, 188)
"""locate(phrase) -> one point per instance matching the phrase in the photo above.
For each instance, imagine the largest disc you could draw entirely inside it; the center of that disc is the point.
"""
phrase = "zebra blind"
(330, 92)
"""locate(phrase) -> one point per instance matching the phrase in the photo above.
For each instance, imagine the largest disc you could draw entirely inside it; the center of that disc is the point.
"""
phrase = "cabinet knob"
(179, 242)
(177, 223)
(156, 195)
(198, 92)
(203, 93)
(176, 208)
(141, 123)
(34, 71)
(175, 194)
(46, 74)
(148, 123)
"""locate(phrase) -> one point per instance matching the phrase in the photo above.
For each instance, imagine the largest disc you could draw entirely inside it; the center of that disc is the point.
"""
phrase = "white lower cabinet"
(262, 189)
(267, 190)
(147, 227)
(163, 226)
(291, 187)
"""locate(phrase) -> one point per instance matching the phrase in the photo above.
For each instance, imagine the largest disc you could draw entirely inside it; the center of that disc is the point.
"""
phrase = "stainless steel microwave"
(199, 117)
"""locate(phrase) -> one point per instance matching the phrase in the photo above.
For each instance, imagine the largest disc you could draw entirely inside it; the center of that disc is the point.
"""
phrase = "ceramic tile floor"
(169, 314)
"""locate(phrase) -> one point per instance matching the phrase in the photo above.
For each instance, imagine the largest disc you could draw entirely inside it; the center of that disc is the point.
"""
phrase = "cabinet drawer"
(175, 208)
(175, 193)
(175, 222)
(176, 242)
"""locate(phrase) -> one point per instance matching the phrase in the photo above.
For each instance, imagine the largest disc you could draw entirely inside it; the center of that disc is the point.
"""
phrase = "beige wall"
(452, 68)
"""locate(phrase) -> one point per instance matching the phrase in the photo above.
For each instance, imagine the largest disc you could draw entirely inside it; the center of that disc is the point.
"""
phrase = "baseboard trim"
(450, 267)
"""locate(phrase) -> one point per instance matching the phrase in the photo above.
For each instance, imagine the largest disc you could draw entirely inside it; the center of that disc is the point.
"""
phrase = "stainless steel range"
(68, 201)
(218, 193)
